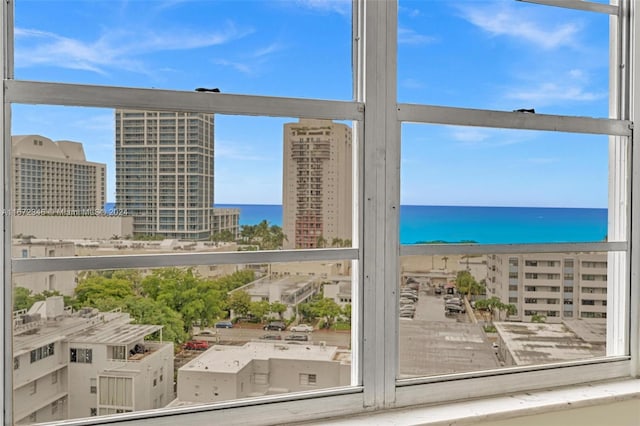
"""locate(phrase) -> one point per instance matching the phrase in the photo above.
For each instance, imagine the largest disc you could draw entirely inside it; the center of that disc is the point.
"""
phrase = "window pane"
(255, 330)
(300, 49)
(228, 182)
(504, 55)
(502, 186)
(464, 313)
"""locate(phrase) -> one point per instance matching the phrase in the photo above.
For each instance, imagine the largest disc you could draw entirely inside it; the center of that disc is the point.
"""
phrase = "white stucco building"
(80, 364)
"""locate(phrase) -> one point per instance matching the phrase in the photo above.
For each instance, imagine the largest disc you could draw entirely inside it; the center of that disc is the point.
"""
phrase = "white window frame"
(376, 223)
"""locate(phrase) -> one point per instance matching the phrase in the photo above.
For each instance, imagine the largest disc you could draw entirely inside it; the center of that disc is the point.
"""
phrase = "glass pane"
(464, 313)
(502, 186)
(179, 182)
(228, 332)
(503, 55)
(300, 49)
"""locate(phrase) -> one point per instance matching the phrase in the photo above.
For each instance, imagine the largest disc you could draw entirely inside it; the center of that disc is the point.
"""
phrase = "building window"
(80, 355)
(54, 377)
(308, 379)
(93, 388)
(93, 412)
(16, 363)
(42, 352)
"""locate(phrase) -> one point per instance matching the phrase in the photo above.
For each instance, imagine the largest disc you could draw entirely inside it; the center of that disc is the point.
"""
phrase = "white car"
(305, 328)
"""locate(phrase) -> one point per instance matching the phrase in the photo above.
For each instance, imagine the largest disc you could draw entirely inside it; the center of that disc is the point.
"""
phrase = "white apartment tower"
(317, 183)
(55, 177)
(164, 172)
(557, 286)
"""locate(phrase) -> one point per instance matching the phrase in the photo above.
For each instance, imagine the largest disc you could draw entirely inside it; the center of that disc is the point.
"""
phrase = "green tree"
(98, 287)
(259, 309)
(22, 298)
(467, 284)
(240, 302)
(346, 311)
(321, 242)
(278, 308)
(326, 308)
(538, 318)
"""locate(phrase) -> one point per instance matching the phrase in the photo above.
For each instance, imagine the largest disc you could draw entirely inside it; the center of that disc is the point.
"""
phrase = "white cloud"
(551, 92)
(501, 20)
(412, 83)
(408, 36)
(116, 49)
(543, 160)
(486, 137)
(341, 7)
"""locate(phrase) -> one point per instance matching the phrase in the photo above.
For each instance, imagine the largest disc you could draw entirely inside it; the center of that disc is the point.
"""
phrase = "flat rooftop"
(105, 327)
(541, 343)
(278, 285)
(429, 348)
(231, 359)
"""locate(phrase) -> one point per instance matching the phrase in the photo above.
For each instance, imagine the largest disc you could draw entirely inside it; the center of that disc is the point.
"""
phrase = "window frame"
(376, 250)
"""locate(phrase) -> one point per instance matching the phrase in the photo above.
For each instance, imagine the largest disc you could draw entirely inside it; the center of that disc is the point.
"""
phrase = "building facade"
(79, 364)
(556, 286)
(317, 180)
(38, 282)
(55, 178)
(164, 172)
(260, 368)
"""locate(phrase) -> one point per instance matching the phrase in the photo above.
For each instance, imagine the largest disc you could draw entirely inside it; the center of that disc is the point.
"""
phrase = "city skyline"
(303, 49)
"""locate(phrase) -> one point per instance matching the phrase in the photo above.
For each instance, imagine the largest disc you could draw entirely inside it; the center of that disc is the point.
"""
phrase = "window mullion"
(381, 201)
(6, 297)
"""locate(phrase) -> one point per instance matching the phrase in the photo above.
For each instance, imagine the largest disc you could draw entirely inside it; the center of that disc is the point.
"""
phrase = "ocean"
(484, 225)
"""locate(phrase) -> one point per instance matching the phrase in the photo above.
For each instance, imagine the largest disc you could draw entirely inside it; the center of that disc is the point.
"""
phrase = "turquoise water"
(486, 225)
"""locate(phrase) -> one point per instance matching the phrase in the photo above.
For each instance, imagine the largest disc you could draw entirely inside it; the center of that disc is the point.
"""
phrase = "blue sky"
(499, 55)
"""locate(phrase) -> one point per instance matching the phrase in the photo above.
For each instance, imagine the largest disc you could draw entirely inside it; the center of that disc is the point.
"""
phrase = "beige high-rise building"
(55, 177)
(164, 172)
(317, 178)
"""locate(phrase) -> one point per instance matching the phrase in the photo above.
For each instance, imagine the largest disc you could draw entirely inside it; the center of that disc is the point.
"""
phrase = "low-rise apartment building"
(80, 364)
(261, 368)
(555, 286)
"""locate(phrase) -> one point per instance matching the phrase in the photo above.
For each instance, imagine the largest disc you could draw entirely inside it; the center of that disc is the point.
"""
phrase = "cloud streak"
(500, 20)
(116, 49)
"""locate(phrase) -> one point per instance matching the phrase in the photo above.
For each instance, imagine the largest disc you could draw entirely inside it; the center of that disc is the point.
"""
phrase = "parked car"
(196, 345)
(453, 308)
(438, 290)
(301, 328)
(271, 337)
(407, 314)
(224, 324)
(297, 337)
(406, 301)
(207, 333)
(409, 296)
(275, 325)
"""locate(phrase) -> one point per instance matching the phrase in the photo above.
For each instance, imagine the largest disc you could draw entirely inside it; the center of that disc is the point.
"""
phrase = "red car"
(196, 345)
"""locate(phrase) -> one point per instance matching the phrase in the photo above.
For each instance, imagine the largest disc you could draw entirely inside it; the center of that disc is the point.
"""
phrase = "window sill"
(501, 408)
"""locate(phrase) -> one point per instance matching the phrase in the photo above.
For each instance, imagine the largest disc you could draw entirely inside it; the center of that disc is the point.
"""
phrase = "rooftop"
(231, 359)
(541, 343)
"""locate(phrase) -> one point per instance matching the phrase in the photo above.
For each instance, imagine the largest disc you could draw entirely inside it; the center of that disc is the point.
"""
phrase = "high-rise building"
(316, 189)
(164, 172)
(55, 177)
